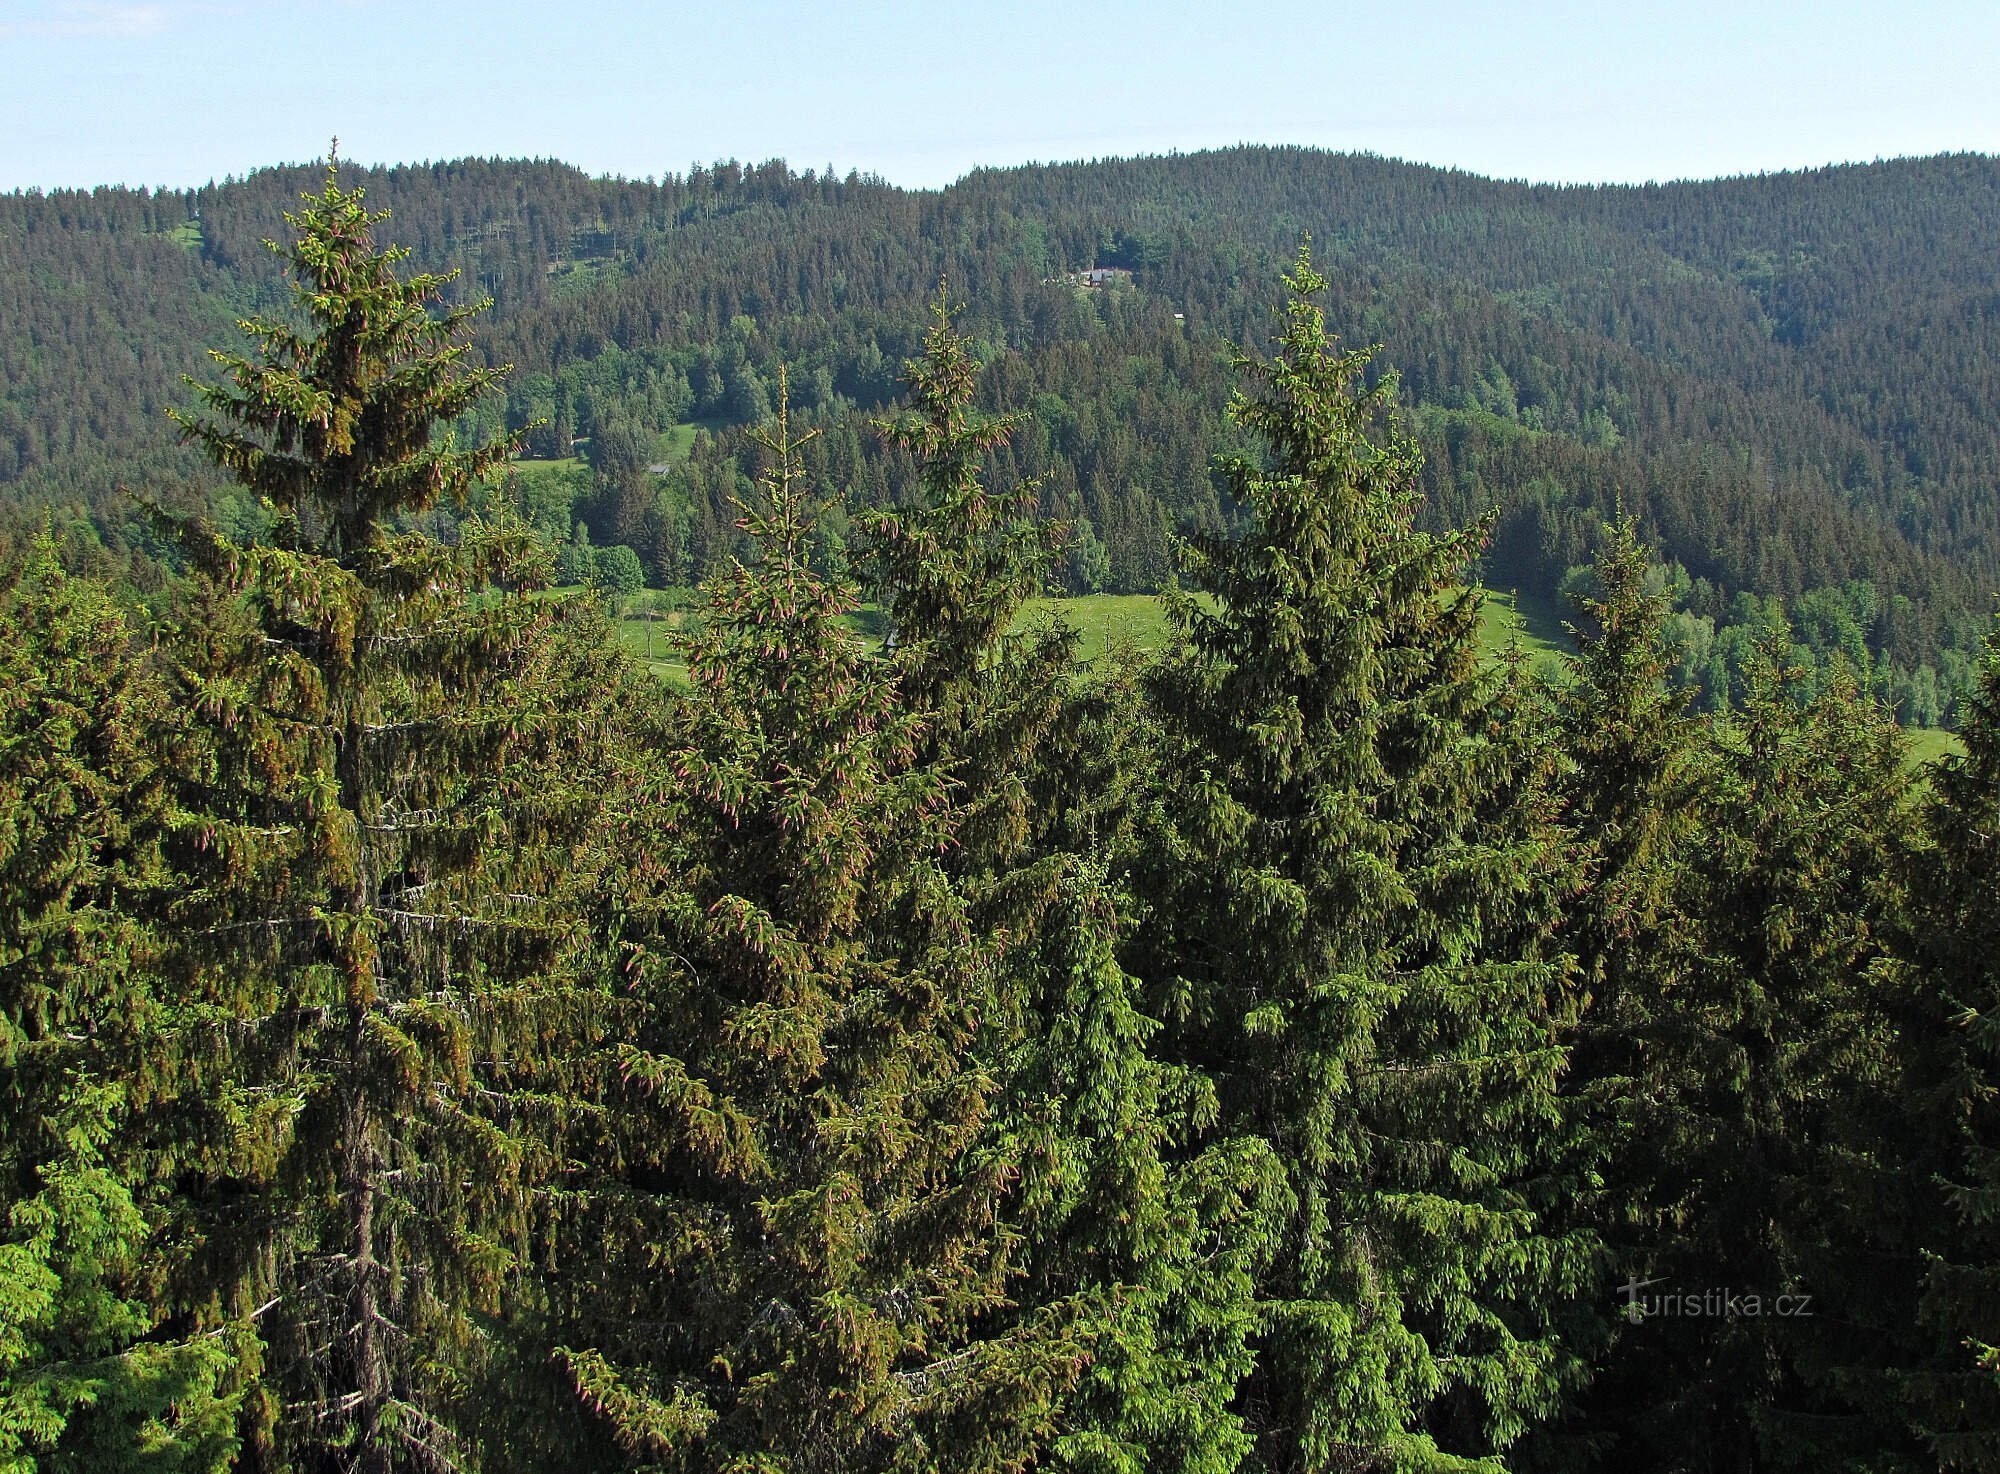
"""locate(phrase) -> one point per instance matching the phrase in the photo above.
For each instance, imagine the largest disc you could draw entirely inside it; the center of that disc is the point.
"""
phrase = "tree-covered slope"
(904, 1044)
(1785, 378)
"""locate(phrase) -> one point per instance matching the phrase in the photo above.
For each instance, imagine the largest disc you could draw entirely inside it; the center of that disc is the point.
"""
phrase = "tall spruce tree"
(1952, 1044)
(94, 1375)
(804, 1240)
(1633, 790)
(1141, 1245)
(1346, 930)
(954, 567)
(381, 763)
(1759, 1059)
(1631, 795)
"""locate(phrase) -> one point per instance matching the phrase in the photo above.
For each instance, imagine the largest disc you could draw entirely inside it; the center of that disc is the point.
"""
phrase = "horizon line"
(1092, 161)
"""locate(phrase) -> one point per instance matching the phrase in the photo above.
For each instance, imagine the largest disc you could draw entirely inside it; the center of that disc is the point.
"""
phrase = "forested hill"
(1790, 378)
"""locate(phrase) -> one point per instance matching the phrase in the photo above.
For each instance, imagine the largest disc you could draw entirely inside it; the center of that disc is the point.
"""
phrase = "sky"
(179, 92)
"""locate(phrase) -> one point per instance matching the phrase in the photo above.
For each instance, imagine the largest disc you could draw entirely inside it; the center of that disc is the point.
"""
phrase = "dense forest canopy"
(431, 1044)
(1786, 379)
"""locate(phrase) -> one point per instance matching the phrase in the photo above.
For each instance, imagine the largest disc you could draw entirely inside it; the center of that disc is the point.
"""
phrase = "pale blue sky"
(182, 91)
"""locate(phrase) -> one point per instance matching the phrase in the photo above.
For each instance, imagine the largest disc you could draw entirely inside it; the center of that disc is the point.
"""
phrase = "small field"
(1928, 744)
(651, 619)
(1505, 619)
(1103, 622)
(535, 472)
(1107, 621)
(650, 639)
(678, 438)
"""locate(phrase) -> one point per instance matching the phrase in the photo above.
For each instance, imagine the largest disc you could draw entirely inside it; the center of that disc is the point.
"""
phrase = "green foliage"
(1736, 1060)
(1349, 938)
(956, 567)
(1152, 1247)
(334, 423)
(1634, 792)
(92, 1376)
(1086, 566)
(1744, 1059)
(1954, 1395)
(1733, 360)
(1145, 1261)
(576, 560)
(798, 1119)
(617, 572)
(84, 1383)
(381, 775)
(931, 1036)
(1781, 1032)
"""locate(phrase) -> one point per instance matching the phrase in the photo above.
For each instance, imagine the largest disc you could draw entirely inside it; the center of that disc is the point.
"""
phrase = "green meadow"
(1106, 622)
(1103, 622)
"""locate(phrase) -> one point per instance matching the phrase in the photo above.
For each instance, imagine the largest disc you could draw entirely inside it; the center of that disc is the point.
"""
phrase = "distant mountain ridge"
(1790, 378)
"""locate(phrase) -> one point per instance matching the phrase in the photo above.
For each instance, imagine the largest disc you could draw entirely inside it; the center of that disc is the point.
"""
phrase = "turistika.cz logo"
(1643, 1302)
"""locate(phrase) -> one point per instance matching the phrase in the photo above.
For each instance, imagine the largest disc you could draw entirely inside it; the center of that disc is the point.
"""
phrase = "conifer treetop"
(956, 568)
(333, 423)
(1310, 404)
(782, 523)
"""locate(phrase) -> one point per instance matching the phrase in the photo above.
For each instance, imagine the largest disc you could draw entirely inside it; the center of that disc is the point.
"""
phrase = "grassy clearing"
(650, 621)
(676, 441)
(571, 279)
(1506, 619)
(1105, 621)
(682, 432)
(650, 639)
(1928, 744)
(1102, 621)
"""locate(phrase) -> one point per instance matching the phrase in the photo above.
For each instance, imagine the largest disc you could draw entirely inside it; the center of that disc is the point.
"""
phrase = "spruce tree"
(803, 1245)
(94, 1374)
(1952, 1045)
(954, 567)
(1633, 791)
(1631, 796)
(1147, 1239)
(1765, 1058)
(381, 756)
(1139, 1241)
(1348, 935)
